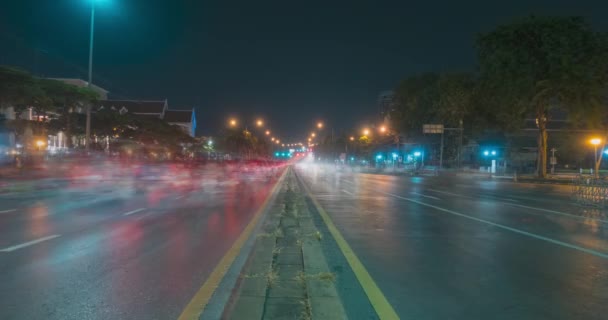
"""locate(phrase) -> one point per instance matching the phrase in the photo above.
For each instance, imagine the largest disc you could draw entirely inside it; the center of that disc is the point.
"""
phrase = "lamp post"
(87, 139)
(595, 142)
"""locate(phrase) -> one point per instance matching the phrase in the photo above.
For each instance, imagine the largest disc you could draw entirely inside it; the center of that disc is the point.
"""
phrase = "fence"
(587, 190)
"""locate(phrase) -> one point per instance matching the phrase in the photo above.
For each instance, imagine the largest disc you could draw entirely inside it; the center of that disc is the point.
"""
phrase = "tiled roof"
(174, 116)
(133, 106)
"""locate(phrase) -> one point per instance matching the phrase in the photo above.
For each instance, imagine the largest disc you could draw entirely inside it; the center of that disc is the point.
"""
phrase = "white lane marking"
(422, 195)
(7, 211)
(29, 243)
(525, 233)
(177, 198)
(559, 213)
(565, 214)
(348, 182)
(348, 192)
(507, 199)
(134, 211)
(445, 192)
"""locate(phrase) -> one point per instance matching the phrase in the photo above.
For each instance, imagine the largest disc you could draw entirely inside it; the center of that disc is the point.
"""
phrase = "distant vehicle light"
(493, 153)
(486, 153)
(417, 154)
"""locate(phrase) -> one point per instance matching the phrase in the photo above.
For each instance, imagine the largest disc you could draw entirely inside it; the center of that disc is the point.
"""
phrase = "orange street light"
(313, 134)
(365, 132)
(320, 125)
(352, 138)
(283, 145)
(595, 141)
(272, 139)
(277, 141)
(267, 132)
(259, 123)
(383, 129)
(232, 122)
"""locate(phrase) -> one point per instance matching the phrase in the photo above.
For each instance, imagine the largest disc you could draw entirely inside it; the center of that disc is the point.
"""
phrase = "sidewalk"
(286, 275)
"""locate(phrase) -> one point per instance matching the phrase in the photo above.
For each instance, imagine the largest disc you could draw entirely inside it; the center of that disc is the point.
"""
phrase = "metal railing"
(590, 191)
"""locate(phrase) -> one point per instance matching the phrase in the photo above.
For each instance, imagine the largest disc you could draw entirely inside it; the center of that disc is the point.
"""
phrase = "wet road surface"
(120, 248)
(456, 248)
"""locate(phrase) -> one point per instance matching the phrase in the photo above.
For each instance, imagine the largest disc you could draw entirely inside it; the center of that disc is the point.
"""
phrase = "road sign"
(553, 160)
(432, 128)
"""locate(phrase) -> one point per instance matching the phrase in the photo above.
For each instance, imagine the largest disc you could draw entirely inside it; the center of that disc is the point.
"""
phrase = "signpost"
(553, 160)
(436, 129)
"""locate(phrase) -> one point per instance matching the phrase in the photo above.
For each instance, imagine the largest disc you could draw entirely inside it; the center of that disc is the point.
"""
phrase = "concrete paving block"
(254, 287)
(289, 272)
(289, 259)
(283, 309)
(321, 288)
(288, 222)
(286, 289)
(327, 308)
(314, 259)
(248, 308)
(258, 264)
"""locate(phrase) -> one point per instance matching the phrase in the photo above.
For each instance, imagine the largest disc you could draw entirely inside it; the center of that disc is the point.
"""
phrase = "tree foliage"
(540, 63)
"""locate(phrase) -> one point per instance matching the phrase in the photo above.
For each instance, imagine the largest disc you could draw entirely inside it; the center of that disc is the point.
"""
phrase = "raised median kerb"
(286, 275)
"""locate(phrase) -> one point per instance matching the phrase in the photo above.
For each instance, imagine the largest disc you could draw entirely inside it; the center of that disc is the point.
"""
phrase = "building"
(150, 108)
(185, 119)
(386, 104)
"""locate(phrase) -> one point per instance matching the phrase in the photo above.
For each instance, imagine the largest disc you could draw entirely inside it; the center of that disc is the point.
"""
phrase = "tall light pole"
(92, 33)
(595, 142)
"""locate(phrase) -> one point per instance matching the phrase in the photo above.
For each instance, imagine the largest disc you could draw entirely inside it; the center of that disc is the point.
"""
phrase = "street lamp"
(313, 134)
(232, 122)
(259, 123)
(320, 125)
(595, 142)
(267, 132)
(352, 138)
(272, 139)
(383, 129)
(365, 132)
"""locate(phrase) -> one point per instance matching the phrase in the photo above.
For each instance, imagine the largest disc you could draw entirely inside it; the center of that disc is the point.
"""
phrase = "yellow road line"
(196, 306)
(374, 294)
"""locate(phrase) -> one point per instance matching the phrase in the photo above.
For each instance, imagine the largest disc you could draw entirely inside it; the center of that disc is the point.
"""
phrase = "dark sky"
(291, 62)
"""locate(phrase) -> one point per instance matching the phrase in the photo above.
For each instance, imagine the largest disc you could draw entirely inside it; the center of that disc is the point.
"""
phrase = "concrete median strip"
(286, 275)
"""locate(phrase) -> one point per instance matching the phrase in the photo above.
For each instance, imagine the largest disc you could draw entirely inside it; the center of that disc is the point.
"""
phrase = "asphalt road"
(456, 248)
(120, 248)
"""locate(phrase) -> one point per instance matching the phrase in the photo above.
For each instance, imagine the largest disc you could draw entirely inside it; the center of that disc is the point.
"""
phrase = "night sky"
(291, 62)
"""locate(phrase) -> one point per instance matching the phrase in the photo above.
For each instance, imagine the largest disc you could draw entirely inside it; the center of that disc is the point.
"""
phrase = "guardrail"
(590, 191)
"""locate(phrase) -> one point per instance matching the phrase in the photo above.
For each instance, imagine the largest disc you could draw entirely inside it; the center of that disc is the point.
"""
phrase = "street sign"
(432, 128)
(553, 160)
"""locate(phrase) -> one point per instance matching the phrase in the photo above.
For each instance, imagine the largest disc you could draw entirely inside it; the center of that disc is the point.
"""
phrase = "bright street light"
(383, 129)
(595, 141)
(272, 139)
(352, 138)
(313, 134)
(232, 122)
(259, 123)
(365, 132)
(267, 132)
(320, 125)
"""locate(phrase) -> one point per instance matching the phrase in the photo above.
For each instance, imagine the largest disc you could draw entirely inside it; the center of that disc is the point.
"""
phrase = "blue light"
(353, 158)
(379, 157)
(486, 153)
(276, 154)
(417, 154)
(394, 156)
(493, 152)
(606, 151)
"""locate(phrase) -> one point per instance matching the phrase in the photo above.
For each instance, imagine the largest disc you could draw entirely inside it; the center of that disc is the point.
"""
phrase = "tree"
(534, 65)
(417, 102)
